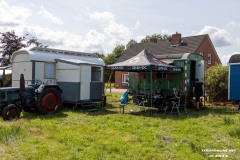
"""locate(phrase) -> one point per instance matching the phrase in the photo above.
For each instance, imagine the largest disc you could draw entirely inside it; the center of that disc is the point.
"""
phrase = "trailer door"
(233, 83)
(199, 70)
(85, 82)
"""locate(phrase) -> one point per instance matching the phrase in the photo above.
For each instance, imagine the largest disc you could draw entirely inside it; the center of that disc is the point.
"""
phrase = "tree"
(155, 37)
(131, 43)
(10, 42)
(112, 58)
(102, 56)
(216, 83)
(116, 53)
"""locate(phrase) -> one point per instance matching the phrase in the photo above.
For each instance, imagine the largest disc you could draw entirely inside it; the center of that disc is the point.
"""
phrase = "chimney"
(176, 38)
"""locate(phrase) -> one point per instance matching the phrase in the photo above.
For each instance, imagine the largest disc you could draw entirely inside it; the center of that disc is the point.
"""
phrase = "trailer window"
(96, 74)
(49, 71)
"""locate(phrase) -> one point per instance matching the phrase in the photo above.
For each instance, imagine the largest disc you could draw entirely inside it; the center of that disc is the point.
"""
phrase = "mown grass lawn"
(108, 134)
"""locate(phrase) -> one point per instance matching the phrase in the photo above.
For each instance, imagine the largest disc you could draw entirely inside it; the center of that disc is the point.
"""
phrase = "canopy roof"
(144, 61)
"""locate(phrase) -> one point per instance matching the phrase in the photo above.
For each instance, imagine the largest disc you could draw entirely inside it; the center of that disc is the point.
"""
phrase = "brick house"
(200, 44)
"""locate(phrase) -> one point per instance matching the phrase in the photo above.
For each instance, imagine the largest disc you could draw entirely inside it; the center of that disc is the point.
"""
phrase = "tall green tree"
(10, 42)
(157, 37)
(100, 55)
(116, 53)
(112, 58)
(216, 83)
(131, 43)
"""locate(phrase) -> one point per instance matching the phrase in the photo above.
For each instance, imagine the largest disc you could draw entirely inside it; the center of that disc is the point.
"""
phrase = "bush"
(216, 83)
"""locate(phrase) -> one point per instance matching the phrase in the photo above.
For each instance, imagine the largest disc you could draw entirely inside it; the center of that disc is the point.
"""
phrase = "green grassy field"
(108, 134)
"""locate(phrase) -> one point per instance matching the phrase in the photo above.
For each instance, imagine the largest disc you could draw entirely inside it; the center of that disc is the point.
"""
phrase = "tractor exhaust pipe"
(22, 88)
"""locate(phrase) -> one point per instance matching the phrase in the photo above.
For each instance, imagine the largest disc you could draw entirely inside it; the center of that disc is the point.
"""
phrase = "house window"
(96, 74)
(125, 78)
(209, 59)
(49, 70)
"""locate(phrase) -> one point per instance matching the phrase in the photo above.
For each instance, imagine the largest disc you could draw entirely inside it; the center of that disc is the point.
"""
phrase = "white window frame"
(209, 58)
(96, 74)
(49, 70)
(125, 78)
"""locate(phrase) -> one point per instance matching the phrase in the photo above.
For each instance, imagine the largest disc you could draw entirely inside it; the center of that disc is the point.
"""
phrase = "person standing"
(198, 91)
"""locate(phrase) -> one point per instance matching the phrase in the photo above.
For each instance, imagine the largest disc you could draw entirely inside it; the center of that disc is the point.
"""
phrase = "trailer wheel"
(11, 112)
(49, 101)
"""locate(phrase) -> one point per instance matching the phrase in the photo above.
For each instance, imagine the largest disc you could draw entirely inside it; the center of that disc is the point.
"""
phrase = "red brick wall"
(118, 77)
(176, 38)
(208, 48)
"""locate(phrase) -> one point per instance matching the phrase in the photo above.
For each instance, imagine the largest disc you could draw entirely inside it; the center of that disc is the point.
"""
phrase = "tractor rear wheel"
(49, 101)
(11, 112)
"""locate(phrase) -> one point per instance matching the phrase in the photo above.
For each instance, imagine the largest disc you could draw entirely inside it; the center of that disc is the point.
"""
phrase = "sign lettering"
(117, 68)
(139, 67)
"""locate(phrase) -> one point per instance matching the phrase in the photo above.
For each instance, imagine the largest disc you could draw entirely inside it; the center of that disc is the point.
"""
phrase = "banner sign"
(146, 68)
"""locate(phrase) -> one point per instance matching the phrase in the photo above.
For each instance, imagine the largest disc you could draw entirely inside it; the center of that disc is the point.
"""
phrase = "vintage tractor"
(44, 98)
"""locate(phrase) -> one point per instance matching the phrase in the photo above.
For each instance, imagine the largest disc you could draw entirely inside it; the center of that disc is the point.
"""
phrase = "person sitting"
(157, 101)
(172, 99)
(158, 92)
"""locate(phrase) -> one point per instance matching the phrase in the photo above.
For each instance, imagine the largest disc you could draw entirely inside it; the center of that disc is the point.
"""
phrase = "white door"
(85, 80)
(199, 70)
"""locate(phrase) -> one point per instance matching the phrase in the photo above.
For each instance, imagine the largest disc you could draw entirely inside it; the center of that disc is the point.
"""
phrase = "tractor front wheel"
(11, 112)
(49, 101)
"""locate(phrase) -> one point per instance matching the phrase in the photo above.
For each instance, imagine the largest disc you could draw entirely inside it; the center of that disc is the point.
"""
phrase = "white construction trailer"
(79, 75)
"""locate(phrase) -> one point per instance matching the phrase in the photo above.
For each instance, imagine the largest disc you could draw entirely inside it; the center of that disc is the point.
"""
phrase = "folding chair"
(181, 104)
(138, 101)
(159, 103)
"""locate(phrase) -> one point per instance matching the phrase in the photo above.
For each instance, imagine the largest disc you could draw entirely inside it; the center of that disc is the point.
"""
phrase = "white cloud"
(233, 24)
(110, 34)
(225, 58)
(91, 42)
(115, 33)
(220, 37)
(139, 38)
(163, 32)
(12, 15)
(47, 15)
(137, 24)
(103, 17)
(238, 41)
(94, 42)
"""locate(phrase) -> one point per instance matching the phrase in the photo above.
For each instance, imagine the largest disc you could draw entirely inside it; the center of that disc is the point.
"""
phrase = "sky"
(100, 25)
